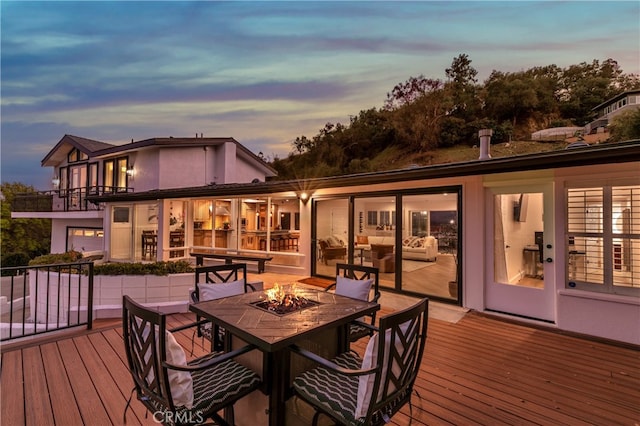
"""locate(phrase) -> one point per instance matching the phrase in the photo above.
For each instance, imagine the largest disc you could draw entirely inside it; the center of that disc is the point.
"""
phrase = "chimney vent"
(485, 142)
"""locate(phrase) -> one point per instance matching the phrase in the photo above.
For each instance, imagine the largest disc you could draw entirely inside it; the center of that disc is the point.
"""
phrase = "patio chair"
(357, 281)
(215, 282)
(369, 390)
(175, 391)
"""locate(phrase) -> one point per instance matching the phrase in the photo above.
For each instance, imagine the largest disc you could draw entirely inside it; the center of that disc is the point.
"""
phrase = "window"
(115, 174)
(372, 218)
(603, 239)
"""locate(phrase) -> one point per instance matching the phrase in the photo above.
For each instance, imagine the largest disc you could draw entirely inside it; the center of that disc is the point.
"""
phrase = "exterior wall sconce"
(56, 182)
(131, 171)
(304, 197)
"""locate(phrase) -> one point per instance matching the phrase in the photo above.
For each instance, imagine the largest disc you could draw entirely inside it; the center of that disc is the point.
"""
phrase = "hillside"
(395, 159)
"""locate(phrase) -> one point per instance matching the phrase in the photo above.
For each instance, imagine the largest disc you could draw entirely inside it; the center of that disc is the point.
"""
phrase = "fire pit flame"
(281, 300)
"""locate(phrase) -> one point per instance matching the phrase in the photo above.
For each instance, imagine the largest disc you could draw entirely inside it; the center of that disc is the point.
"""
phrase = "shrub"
(156, 268)
(54, 258)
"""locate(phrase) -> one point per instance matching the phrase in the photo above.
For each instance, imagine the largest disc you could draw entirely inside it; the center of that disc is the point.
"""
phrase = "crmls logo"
(191, 417)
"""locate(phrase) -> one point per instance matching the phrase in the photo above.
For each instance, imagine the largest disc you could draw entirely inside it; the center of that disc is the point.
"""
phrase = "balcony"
(477, 370)
(62, 200)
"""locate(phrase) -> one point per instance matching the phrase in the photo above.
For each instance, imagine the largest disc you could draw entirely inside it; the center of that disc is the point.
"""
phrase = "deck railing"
(45, 298)
(72, 199)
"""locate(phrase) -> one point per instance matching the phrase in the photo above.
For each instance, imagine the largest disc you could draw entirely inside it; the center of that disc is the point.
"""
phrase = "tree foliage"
(625, 126)
(21, 238)
(422, 114)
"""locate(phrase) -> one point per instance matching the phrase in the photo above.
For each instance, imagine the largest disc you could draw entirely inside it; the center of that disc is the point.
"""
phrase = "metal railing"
(72, 199)
(45, 298)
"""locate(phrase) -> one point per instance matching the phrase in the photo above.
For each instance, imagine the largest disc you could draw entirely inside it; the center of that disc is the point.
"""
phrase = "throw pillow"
(180, 382)
(370, 360)
(220, 290)
(408, 240)
(418, 242)
(356, 289)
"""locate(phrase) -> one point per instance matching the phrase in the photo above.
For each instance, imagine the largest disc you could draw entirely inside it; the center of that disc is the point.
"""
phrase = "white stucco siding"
(182, 167)
(145, 165)
(245, 172)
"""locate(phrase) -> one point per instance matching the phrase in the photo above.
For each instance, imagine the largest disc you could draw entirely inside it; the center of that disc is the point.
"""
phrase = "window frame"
(603, 231)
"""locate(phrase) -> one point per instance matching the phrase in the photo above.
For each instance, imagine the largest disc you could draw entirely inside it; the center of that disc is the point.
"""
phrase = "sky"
(261, 72)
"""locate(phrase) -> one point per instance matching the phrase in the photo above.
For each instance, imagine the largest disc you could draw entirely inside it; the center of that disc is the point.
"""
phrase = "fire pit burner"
(288, 305)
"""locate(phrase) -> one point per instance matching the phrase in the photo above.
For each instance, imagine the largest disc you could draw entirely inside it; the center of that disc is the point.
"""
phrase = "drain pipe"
(485, 141)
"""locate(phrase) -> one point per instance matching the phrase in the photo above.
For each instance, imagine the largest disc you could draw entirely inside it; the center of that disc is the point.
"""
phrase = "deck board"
(479, 371)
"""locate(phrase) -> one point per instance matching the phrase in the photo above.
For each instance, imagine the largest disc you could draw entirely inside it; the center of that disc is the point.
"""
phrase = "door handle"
(549, 260)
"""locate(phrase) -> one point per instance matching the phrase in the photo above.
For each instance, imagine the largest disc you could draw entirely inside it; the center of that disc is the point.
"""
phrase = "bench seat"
(230, 257)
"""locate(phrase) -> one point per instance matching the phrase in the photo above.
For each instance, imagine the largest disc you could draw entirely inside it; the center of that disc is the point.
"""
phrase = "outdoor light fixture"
(56, 182)
(304, 197)
(130, 171)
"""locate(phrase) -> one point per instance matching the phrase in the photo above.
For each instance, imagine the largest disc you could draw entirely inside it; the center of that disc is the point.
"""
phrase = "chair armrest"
(186, 326)
(194, 296)
(366, 324)
(212, 361)
(330, 365)
(331, 287)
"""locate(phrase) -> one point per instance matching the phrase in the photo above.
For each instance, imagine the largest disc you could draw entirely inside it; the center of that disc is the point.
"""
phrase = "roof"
(96, 148)
(615, 99)
(67, 143)
(623, 152)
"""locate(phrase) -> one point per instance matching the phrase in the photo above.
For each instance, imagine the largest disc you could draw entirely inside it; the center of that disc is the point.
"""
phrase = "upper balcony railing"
(62, 200)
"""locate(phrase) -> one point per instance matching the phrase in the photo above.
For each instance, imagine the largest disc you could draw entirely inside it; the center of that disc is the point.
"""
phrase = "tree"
(411, 90)
(510, 96)
(19, 237)
(625, 126)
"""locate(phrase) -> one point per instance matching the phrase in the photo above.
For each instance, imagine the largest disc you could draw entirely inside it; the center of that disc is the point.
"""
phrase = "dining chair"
(215, 282)
(149, 244)
(368, 391)
(360, 282)
(178, 392)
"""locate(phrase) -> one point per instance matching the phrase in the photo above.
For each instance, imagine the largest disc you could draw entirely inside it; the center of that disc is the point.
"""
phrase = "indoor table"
(323, 327)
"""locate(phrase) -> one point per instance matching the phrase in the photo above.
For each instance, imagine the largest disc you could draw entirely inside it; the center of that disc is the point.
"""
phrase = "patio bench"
(230, 257)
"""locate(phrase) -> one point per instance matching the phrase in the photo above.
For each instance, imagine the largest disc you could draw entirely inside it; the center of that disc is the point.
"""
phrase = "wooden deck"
(479, 371)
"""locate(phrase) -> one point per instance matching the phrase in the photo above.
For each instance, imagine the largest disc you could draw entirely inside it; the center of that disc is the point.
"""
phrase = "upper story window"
(76, 155)
(115, 174)
(603, 239)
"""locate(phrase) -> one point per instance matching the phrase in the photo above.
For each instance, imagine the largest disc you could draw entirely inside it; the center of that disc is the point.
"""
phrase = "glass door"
(520, 243)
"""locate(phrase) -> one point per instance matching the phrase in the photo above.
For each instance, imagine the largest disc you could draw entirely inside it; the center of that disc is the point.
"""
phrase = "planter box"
(66, 296)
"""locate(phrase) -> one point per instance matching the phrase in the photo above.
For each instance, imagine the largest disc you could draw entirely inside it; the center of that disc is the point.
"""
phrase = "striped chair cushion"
(356, 331)
(332, 392)
(215, 385)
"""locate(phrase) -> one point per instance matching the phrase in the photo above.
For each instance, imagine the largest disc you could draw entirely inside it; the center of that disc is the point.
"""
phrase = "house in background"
(82, 168)
(550, 238)
(619, 104)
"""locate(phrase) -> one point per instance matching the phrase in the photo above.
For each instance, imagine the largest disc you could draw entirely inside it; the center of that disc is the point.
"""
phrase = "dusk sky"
(261, 72)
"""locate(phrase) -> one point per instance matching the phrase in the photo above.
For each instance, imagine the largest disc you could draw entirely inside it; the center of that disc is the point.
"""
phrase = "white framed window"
(602, 244)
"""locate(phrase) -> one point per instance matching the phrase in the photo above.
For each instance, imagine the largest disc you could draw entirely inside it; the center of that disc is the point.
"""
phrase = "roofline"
(71, 140)
(624, 152)
(184, 142)
(615, 98)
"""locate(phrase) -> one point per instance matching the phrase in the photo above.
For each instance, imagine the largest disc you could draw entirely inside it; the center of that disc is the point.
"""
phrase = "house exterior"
(82, 168)
(550, 238)
(625, 101)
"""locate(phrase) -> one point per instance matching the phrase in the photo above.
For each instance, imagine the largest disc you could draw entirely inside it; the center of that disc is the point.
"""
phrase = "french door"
(520, 247)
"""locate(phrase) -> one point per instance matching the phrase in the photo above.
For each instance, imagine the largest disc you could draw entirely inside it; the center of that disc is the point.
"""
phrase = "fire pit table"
(320, 324)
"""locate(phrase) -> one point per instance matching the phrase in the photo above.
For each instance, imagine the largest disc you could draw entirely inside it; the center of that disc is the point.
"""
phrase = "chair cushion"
(220, 290)
(334, 392)
(356, 289)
